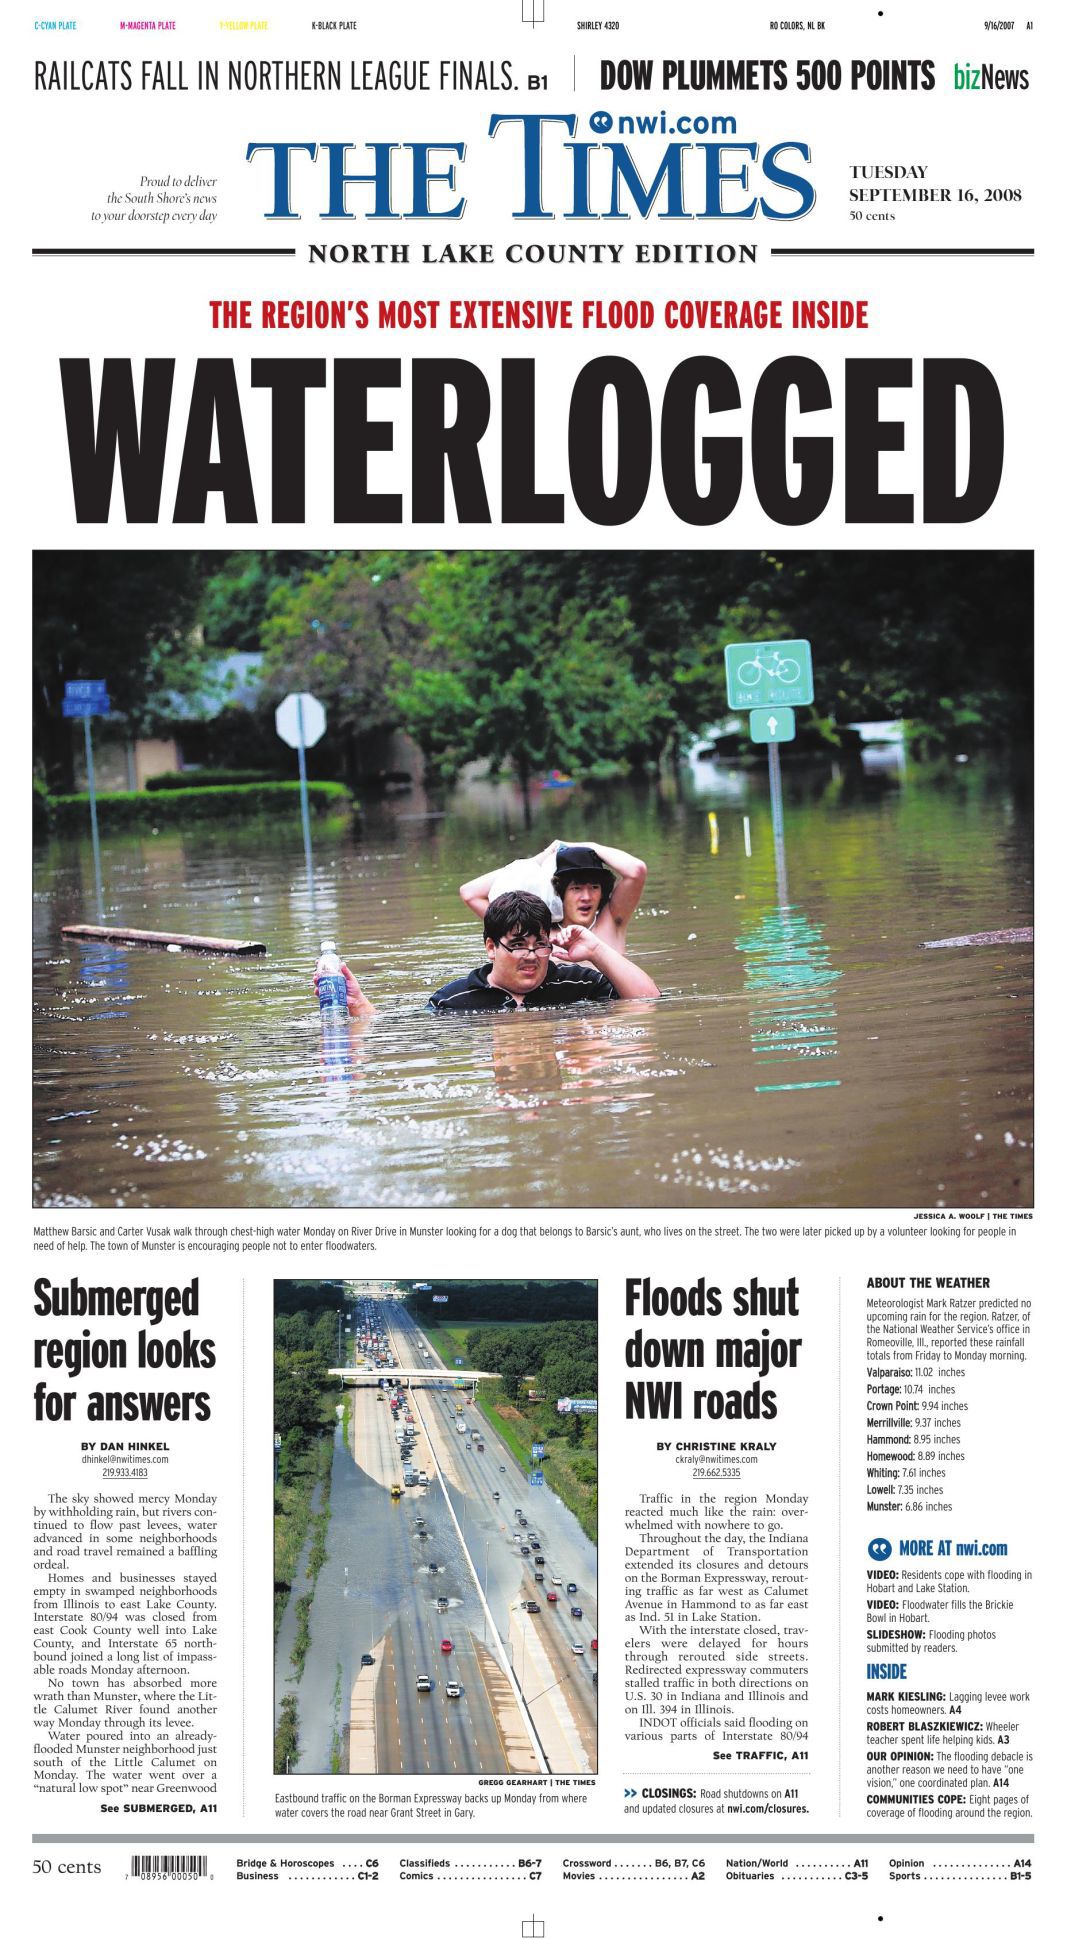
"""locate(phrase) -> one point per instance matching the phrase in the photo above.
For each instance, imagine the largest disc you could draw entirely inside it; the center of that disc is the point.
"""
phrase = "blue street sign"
(769, 673)
(83, 698)
(537, 1449)
(536, 1480)
(74, 709)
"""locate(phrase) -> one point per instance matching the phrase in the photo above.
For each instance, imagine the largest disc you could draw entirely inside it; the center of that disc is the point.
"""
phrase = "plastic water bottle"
(333, 990)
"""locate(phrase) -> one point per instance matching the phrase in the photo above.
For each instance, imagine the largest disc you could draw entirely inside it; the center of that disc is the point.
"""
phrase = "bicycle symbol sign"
(769, 673)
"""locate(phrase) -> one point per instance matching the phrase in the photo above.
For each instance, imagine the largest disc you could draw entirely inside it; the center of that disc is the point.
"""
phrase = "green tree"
(540, 673)
(439, 713)
(339, 633)
(298, 1386)
(236, 595)
(124, 617)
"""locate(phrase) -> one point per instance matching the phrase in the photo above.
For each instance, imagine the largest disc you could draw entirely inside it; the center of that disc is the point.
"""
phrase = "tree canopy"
(599, 662)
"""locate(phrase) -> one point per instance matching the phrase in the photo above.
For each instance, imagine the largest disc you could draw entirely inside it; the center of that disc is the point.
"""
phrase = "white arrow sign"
(773, 725)
(300, 718)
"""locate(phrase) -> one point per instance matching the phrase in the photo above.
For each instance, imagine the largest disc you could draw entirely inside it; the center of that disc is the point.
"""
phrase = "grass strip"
(518, 1430)
(286, 1737)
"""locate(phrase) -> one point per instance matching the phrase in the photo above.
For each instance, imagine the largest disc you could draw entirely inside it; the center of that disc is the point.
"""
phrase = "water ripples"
(805, 1053)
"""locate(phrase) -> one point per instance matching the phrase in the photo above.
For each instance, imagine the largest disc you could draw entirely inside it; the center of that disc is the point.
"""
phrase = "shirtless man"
(599, 887)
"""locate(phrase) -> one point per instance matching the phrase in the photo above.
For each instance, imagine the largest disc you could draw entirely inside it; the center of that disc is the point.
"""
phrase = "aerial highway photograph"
(435, 1496)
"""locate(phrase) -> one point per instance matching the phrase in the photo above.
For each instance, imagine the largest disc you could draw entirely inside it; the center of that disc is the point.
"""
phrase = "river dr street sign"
(84, 698)
(769, 673)
(287, 719)
(767, 724)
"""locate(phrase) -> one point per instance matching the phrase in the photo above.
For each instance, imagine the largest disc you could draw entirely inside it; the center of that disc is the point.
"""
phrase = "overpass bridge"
(410, 1376)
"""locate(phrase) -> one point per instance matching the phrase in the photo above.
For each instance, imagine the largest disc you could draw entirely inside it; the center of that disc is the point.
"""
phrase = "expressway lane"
(488, 1528)
(432, 1732)
(409, 1555)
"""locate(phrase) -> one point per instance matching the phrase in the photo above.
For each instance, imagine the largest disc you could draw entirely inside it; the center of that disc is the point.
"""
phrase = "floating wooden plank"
(91, 932)
(983, 939)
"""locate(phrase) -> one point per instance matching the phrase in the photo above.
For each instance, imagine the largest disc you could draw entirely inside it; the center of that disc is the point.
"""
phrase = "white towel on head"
(531, 876)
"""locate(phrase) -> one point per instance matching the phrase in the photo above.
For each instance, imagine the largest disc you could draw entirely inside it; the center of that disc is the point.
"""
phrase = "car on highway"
(503, 1470)
(572, 1588)
(453, 1689)
(496, 1494)
(593, 1643)
(577, 1649)
(552, 1596)
(446, 1646)
(539, 1559)
(533, 1609)
(423, 1683)
(539, 1575)
(366, 1659)
(442, 1604)
(557, 1582)
(576, 1611)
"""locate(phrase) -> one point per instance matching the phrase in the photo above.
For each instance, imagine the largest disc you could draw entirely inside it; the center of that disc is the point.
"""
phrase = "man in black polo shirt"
(520, 973)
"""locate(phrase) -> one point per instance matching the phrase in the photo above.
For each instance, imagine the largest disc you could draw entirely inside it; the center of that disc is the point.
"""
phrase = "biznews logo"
(966, 77)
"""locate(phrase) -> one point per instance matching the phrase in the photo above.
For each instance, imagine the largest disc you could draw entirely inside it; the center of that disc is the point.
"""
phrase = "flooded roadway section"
(808, 1050)
(377, 1594)
(556, 1683)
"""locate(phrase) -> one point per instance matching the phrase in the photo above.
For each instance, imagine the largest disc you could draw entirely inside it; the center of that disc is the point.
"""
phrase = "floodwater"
(807, 1051)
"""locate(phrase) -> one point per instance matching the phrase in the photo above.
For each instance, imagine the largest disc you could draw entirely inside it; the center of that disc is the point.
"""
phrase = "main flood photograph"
(542, 879)
(435, 1527)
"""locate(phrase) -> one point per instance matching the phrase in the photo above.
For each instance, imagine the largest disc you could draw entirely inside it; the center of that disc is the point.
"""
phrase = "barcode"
(182, 1866)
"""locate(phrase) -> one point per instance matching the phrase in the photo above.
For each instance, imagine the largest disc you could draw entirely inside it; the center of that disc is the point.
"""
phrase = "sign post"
(767, 679)
(81, 700)
(300, 721)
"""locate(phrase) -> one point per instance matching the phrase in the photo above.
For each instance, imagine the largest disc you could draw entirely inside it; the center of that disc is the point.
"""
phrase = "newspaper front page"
(527, 530)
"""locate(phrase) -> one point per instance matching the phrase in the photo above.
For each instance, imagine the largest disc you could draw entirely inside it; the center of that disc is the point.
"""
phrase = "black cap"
(574, 859)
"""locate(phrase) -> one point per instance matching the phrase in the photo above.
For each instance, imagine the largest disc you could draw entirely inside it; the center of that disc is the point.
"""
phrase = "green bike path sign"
(769, 673)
